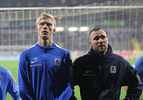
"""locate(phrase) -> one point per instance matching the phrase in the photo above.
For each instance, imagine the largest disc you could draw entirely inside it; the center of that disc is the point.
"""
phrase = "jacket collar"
(45, 47)
(110, 51)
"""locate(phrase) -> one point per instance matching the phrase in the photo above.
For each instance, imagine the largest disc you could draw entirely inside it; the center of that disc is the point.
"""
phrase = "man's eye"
(41, 23)
(96, 38)
(102, 37)
(48, 24)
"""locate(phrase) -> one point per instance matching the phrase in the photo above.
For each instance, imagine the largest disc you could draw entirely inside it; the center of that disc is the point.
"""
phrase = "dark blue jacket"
(100, 77)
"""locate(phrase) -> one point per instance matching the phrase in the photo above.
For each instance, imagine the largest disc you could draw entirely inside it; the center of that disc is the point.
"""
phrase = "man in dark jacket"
(100, 74)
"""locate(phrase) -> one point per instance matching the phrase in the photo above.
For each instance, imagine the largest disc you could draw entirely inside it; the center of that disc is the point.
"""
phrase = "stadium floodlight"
(59, 29)
(82, 29)
(72, 29)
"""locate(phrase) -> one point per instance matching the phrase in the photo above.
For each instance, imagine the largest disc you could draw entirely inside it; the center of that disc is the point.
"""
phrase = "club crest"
(57, 62)
(112, 69)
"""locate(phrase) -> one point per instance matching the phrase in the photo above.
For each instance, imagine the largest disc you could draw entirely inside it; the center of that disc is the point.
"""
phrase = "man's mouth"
(101, 46)
(44, 32)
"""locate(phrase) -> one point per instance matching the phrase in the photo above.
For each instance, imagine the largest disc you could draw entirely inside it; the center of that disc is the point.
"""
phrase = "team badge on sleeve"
(138, 77)
(112, 69)
(57, 62)
(14, 81)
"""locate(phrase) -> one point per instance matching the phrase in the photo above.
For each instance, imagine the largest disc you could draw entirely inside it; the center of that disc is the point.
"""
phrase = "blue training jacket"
(44, 73)
(8, 84)
(138, 65)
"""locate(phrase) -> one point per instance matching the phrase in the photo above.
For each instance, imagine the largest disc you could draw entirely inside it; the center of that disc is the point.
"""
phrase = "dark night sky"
(47, 3)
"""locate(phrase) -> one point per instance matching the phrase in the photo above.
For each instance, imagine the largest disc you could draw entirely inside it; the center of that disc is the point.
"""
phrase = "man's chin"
(45, 38)
(101, 51)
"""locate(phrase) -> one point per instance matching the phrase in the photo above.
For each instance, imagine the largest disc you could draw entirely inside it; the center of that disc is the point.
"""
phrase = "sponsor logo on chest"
(89, 73)
(34, 62)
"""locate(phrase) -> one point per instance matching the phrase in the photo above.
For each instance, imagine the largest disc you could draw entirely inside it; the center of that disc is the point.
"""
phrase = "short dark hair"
(96, 29)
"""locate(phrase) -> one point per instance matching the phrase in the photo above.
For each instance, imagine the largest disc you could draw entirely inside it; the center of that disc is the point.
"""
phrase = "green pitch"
(13, 67)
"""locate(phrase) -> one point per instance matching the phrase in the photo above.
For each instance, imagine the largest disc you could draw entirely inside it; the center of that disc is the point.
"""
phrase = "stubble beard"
(101, 51)
(45, 38)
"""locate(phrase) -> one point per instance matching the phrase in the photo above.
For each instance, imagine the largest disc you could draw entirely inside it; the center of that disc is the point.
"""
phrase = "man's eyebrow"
(99, 35)
(43, 22)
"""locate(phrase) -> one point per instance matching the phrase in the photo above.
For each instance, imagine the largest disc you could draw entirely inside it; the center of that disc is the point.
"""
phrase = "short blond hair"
(44, 16)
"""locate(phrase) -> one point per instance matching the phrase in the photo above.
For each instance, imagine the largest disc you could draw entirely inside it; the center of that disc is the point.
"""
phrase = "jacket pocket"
(107, 92)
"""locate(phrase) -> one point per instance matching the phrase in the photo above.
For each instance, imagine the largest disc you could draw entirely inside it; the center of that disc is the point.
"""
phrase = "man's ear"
(107, 40)
(36, 29)
(89, 42)
(54, 30)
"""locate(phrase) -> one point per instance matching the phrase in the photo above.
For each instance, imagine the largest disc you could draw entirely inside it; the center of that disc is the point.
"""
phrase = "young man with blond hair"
(44, 69)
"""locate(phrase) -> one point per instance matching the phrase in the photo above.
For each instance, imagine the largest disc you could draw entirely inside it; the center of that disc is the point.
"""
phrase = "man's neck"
(45, 43)
(100, 53)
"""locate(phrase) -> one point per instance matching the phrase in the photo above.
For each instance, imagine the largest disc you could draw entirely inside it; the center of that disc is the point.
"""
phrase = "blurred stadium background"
(122, 20)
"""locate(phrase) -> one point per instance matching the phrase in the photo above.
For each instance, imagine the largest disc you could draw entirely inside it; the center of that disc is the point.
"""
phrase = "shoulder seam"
(61, 47)
(29, 48)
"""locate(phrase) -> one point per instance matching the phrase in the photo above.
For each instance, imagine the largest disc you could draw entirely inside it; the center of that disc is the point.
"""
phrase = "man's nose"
(100, 40)
(45, 25)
